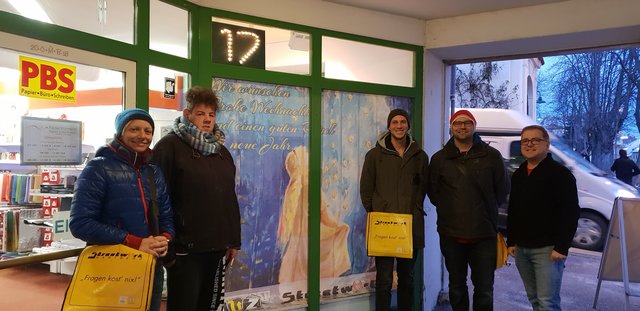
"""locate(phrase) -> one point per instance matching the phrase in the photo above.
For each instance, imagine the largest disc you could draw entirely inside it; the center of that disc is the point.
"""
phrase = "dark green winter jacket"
(394, 184)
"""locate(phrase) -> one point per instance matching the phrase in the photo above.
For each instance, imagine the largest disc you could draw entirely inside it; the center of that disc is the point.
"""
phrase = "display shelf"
(44, 257)
(15, 167)
(10, 148)
(37, 193)
(60, 256)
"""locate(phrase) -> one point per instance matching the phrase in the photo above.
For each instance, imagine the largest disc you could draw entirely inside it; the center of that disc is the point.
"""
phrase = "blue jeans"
(481, 258)
(541, 276)
(158, 283)
(384, 282)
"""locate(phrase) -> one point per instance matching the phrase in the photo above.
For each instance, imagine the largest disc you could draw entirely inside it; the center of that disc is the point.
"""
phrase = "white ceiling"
(432, 9)
(83, 15)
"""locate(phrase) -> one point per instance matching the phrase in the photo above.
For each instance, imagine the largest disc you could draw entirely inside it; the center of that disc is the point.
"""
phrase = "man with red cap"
(394, 180)
(467, 183)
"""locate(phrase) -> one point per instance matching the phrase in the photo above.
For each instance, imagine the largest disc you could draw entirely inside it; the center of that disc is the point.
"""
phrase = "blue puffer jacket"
(112, 196)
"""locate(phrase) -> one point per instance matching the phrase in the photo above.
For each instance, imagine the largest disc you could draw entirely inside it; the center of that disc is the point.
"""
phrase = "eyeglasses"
(467, 123)
(533, 141)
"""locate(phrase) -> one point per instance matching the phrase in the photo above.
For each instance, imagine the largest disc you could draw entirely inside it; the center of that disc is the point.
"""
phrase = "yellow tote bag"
(111, 277)
(389, 235)
(502, 251)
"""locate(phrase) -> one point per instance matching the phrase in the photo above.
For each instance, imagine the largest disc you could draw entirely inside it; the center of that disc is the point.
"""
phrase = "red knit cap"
(462, 113)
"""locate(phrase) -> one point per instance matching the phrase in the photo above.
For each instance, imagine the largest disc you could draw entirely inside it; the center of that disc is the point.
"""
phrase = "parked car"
(596, 189)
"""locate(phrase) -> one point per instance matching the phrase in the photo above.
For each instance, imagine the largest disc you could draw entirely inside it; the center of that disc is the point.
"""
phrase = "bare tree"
(475, 88)
(632, 68)
(592, 97)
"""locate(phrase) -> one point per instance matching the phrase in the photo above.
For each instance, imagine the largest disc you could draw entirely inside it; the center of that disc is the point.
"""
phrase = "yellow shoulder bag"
(111, 277)
(502, 252)
(389, 235)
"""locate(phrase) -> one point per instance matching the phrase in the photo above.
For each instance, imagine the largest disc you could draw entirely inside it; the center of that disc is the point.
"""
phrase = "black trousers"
(481, 258)
(384, 282)
(190, 281)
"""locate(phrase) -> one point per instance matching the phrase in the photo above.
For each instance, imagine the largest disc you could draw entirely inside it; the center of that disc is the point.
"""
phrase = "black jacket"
(467, 203)
(203, 196)
(543, 207)
(625, 169)
(394, 184)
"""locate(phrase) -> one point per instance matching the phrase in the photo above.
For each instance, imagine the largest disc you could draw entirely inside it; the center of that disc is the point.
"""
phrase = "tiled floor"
(33, 287)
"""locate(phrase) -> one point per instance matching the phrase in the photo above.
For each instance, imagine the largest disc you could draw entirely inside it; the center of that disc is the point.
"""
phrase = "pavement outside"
(579, 283)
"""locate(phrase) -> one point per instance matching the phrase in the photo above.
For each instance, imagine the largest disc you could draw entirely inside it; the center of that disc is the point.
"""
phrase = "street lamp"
(540, 100)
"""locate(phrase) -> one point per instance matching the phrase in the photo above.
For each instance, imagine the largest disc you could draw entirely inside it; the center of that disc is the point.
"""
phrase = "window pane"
(110, 19)
(166, 98)
(99, 97)
(265, 127)
(351, 123)
(169, 29)
(356, 61)
(285, 50)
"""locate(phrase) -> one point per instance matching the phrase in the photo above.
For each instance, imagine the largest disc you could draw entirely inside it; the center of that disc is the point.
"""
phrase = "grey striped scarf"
(205, 143)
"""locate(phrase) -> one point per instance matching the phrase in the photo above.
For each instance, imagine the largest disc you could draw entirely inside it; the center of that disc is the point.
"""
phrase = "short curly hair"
(199, 95)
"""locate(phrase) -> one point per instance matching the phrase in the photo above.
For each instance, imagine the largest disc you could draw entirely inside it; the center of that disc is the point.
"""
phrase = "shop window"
(266, 128)
(356, 61)
(166, 97)
(351, 123)
(97, 92)
(169, 29)
(283, 50)
(109, 19)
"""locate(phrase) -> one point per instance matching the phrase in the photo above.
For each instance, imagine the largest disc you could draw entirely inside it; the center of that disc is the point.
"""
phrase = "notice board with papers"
(50, 142)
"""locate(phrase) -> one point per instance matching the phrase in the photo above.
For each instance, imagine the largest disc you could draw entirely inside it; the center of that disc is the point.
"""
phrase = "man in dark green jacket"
(467, 183)
(394, 180)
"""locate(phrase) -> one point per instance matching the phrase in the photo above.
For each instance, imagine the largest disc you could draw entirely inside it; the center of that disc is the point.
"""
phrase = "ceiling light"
(30, 9)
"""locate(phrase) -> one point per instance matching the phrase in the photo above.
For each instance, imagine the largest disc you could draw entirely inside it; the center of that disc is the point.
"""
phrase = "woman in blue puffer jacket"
(112, 197)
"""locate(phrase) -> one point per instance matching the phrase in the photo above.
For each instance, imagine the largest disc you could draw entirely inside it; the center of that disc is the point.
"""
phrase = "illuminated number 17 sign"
(235, 45)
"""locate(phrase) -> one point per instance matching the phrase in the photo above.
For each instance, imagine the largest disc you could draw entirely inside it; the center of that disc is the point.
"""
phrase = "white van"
(501, 128)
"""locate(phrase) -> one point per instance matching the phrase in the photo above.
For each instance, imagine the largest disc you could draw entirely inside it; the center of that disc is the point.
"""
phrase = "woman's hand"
(231, 254)
(156, 246)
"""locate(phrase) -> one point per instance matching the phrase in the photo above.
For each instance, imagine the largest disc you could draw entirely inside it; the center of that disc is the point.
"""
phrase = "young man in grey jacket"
(467, 183)
(394, 180)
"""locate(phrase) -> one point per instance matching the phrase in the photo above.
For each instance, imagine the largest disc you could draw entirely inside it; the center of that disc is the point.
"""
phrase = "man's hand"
(555, 256)
(512, 251)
